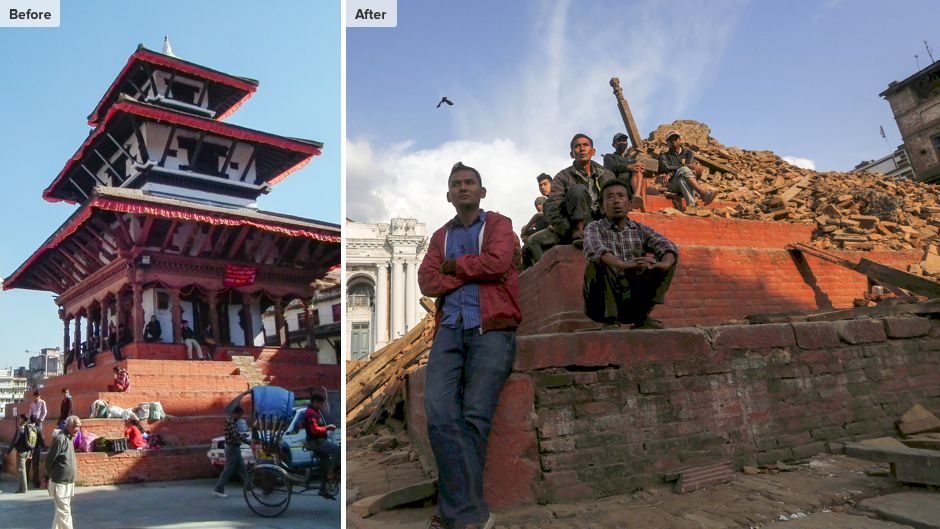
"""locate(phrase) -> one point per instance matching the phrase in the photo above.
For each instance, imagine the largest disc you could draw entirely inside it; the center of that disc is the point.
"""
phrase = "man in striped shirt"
(622, 283)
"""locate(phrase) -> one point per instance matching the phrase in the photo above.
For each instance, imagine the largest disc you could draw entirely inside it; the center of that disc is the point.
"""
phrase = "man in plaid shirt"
(621, 283)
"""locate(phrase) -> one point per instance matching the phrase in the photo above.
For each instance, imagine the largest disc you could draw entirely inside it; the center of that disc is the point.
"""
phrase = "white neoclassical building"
(382, 295)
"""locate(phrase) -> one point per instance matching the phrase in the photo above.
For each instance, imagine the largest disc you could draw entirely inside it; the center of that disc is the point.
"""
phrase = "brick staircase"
(193, 395)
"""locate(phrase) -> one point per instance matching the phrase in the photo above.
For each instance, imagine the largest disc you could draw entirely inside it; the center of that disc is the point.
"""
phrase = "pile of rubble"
(852, 211)
(375, 385)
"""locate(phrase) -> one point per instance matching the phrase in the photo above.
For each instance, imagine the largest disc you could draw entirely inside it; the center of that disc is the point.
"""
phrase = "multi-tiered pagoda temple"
(167, 226)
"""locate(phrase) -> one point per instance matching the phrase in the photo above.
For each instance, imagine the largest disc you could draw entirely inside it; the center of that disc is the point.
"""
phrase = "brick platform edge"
(592, 414)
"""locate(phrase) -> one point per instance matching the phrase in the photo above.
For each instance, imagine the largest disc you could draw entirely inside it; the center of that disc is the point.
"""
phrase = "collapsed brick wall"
(586, 415)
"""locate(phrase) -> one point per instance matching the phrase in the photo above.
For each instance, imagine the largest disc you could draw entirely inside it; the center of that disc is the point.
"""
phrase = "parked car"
(293, 444)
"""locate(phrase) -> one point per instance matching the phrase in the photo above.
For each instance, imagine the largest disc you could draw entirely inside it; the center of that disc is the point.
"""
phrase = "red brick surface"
(712, 285)
(612, 411)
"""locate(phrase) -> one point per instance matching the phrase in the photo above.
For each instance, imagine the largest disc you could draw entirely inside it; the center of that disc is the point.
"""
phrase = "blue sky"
(54, 77)
(800, 78)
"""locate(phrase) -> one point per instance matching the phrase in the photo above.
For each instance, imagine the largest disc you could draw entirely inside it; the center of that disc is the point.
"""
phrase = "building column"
(77, 339)
(137, 311)
(89, 328)
(213, 299)
(176, 312)
(381, 306)
(246, 320)
(411, 283)
(280, 325)
(103, 324)
(396, 307)
(65, 338)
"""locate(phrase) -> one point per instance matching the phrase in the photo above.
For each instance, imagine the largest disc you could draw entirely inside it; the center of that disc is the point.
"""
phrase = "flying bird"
(444, 100)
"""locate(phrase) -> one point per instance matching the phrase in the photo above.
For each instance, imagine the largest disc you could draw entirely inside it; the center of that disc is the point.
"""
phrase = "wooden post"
(213, 298)
(625, 113)
(65, 338)
(280, 327)
(77, 342)
(247, 327)
(177, 315)
(137, 311)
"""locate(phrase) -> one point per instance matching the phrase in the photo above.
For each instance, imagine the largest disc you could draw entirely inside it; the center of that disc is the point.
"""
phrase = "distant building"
(48, 363)
(382, 296)
(12, 388)
(915, 102)
(896, 165)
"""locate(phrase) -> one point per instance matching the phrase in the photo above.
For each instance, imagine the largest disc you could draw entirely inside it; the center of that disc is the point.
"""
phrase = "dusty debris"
(374, 387)
(918, 420)
(851, 211)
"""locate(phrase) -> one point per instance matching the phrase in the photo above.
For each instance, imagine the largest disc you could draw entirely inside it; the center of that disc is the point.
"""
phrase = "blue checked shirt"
(462, 306)
(635, 240)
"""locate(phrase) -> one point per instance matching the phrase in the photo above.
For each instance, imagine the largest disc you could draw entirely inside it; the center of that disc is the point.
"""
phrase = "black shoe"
(435, 522)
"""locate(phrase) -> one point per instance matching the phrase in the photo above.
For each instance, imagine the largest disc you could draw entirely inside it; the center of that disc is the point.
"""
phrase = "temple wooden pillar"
(213, 298)
(89, 328)
(137, 311)
(280, 326)
(65, 339)
(247, 326)
(77, 342)
(177, 315)
(103, 324)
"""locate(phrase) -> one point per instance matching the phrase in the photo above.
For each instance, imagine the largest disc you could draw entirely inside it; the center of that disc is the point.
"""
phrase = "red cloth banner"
(239, 276)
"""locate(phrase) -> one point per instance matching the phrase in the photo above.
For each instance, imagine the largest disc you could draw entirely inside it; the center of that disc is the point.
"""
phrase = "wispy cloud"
(805, 163)
(664, 54)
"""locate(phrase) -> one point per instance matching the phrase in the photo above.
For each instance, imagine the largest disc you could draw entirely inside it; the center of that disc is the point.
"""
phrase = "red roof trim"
(163, 60)
(169, 116)
(158, 211)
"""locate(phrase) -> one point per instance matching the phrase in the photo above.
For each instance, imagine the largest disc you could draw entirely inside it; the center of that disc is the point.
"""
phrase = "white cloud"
(663, 54)
(805, 163)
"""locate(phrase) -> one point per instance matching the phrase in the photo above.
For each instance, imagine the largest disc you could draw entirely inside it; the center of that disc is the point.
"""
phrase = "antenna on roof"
(929, 52)
(168, 50)
(917, 60)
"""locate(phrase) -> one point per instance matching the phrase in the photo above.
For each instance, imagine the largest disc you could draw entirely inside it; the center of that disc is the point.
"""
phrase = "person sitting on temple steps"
(621, 283)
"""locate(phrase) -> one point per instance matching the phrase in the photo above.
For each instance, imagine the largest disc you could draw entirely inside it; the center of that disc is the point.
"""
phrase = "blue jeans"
(233, 463)
(465, 374)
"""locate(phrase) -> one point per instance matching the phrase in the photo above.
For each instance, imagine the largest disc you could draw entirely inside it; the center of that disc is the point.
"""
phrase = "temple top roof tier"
(163, 150)
(169, 81)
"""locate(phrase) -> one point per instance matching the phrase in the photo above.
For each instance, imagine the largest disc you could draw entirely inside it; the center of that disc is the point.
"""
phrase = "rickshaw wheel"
(268, 490)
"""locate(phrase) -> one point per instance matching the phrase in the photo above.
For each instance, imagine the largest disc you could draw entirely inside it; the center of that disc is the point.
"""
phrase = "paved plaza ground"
(164, 505)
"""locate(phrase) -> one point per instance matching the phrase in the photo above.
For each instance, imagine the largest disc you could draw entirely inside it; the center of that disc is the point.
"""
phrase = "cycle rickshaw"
(280, 471)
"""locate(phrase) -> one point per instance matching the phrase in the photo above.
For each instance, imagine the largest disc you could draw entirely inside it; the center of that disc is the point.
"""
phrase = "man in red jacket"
(470, 267)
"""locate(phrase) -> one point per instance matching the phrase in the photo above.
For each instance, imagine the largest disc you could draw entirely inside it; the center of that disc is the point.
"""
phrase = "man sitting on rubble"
(681, 171)
(622, 283)
(628, 169)
(573, 202)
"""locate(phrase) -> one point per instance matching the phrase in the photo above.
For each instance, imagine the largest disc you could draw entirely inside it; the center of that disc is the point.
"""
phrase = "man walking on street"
(23, 442)
(61, 469)
(37, 453)
(233, 453)
(470, 268)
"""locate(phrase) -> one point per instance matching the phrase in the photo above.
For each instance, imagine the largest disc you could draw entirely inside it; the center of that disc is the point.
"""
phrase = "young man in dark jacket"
(470, 268)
